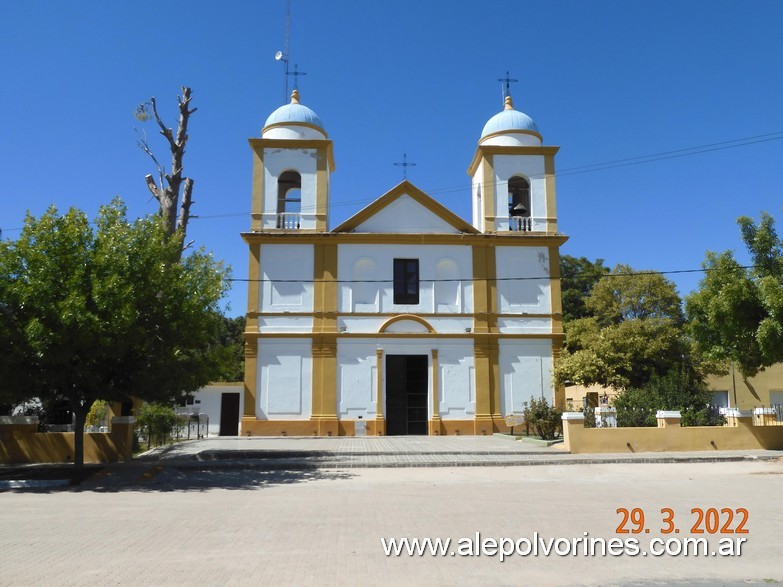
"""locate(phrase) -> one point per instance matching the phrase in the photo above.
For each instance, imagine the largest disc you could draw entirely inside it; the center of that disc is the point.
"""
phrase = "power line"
(638, 160)
(629, 161)
(491, 279)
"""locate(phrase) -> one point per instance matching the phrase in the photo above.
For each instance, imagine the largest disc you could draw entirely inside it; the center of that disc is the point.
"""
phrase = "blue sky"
(605, 81)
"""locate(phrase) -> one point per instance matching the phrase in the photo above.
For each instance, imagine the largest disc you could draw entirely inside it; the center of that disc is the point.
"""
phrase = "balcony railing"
(520, 223)
(289, 220)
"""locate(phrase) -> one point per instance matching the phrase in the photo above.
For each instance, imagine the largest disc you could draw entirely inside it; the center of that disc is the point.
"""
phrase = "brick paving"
(403, 451)
(165, 524)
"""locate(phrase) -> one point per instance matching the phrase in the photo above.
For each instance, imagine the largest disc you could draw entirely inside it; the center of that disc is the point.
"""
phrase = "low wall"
(28, 446)
(669, 437)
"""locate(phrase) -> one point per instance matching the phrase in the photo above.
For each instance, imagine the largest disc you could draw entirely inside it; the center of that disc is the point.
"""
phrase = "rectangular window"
(406, 281)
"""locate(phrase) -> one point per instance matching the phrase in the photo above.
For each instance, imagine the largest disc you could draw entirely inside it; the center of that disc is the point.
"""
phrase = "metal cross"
(296, 73)
(405, 165)
(508, 81)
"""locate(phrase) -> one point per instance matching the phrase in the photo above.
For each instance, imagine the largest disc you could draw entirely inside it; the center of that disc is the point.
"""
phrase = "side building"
(405, 318)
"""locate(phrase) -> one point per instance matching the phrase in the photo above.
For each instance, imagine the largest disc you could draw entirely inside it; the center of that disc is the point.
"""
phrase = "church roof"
(509, 120)
(403, 209)
(293, 113)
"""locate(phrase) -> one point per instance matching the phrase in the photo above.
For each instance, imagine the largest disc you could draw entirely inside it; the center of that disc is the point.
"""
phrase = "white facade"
(404, 311)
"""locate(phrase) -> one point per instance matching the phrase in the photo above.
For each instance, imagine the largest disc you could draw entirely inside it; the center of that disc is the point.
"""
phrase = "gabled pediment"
(405, 209)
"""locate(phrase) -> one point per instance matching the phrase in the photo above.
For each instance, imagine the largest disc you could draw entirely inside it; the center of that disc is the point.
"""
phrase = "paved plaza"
(179, 519)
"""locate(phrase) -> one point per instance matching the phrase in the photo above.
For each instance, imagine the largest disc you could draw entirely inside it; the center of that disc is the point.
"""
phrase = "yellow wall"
(27, 446)
(743, 436)
(746, 394)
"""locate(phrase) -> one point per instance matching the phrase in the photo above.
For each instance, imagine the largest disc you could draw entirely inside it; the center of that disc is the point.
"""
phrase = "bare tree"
(167, 189)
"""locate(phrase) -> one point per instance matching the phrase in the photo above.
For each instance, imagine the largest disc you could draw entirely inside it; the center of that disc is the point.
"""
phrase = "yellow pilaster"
(551, 206)
(251, 366)
(257, 202)
(435, 421)
(380, 424)
(321, 190)
(481, 302)
(324, 387)
(251, 329)
(482, 358)
(493, 351)
(325, 288)
(488, 181)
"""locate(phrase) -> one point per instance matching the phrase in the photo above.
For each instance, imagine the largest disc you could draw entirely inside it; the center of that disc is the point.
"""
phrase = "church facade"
(405, 318)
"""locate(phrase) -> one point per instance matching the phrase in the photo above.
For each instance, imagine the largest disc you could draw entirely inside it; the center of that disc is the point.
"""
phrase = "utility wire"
(493, 279)
(685, 152)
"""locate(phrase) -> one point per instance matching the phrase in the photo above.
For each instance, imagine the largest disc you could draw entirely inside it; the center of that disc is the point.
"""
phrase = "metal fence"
(192, 424)
(768, 415)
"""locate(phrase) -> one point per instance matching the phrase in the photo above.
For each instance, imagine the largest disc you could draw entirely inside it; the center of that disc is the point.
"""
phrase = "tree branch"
(166, 132)
(152, 186)
(142, 143)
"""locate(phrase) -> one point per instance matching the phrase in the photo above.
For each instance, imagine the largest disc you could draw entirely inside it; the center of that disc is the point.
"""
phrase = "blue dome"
(509, 120)
(293, 113)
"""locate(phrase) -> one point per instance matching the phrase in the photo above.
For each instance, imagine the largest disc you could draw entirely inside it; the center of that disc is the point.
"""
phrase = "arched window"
(289, 199)
(519, 203)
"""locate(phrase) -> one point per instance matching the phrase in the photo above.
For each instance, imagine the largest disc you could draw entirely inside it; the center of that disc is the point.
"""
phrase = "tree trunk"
(78, 434)
(167, 193)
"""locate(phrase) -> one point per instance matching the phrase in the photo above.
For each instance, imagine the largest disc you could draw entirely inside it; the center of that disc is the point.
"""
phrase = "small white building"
(405, 318)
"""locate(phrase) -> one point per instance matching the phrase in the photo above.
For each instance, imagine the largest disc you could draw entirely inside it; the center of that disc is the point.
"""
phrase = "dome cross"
(506, 87)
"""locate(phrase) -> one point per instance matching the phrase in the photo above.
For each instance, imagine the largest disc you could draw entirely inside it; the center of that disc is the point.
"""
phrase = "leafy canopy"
(577, 278)
(679, 389)
(105, 312)
(737, 313)
(633, 332)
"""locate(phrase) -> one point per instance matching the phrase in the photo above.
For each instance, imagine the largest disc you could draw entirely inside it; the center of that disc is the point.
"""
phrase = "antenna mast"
(285, 46)
(283, 55)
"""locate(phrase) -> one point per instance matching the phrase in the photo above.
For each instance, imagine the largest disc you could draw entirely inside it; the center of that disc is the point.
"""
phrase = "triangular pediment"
(405, 209)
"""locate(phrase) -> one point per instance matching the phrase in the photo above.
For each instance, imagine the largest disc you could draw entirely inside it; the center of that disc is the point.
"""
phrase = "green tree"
(231, 349)
(105, 313)
(680, 389)
(736, 316)
(156, 420)
(633, 332)
(577, 278)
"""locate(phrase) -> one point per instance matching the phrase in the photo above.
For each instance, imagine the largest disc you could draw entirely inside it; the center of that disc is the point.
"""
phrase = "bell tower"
(513, 176)
(292, 162)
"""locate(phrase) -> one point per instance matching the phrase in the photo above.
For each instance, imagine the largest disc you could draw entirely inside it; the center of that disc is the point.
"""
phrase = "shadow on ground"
(166, 478)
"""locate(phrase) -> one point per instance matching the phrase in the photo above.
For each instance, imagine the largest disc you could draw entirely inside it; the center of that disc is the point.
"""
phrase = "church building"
(405, 318)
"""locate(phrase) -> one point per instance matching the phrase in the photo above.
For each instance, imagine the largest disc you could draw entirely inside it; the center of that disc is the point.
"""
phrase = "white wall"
(525, 373)
(376, 262)
(207, 400)
(524, 295)
(478, 191)
(356, 379)
(373, 324)
(513, 139)
(284, 384)
(357, 375)
(457, 380)
(287, 274)
(406, 216)
(524, 325)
